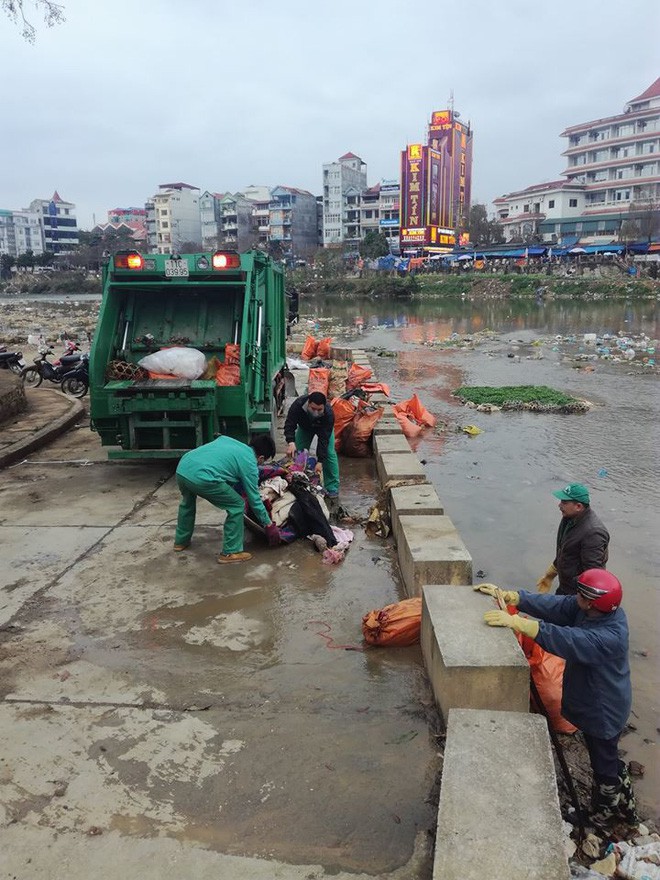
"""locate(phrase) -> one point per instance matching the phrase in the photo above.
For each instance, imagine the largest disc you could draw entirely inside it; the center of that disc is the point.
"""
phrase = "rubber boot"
(605, 803)
(627, 805)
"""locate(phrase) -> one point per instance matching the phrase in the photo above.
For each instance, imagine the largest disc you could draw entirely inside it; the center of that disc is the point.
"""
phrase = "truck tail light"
(131, 260)
(226, 260)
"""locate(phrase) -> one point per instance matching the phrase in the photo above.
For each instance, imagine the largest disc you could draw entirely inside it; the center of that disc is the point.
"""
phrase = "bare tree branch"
(53, 13)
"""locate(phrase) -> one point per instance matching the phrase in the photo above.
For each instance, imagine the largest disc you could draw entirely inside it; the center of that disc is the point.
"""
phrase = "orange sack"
(414, 410)
(319, 379)
(344, 412)
(356, 436)
(228, 374)
(323, 348)
(547, 672)
(233, 354)
(357, 375)
(396, 625)
(309, 349)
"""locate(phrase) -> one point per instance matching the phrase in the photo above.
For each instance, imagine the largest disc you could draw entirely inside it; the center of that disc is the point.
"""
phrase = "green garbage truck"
(227, 310)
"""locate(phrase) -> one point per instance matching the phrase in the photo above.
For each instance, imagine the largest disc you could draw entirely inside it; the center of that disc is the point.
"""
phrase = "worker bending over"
(212, 471)
(309, 416)
(590, 631)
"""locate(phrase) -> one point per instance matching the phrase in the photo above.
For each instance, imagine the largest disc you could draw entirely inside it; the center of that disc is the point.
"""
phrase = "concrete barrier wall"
(499, 808)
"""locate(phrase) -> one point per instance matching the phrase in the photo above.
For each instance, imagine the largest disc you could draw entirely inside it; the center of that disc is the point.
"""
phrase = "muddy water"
(497, 486)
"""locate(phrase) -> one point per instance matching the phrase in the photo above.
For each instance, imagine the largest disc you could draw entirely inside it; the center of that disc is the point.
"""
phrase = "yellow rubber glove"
(514, 621)
(544, 583)
(511, 597)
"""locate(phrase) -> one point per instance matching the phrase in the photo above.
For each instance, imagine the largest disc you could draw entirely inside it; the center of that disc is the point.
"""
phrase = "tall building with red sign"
(435, 185)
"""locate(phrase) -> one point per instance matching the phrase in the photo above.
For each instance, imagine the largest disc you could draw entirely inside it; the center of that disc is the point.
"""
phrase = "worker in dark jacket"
(590, 631)
(212, 471)
(582, 541)
(309, 416)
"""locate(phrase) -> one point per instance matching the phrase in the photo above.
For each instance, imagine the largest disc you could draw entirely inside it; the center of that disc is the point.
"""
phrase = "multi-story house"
(292, 221)
(370, 210)
(259, 196)
(531, 214)
(236, 222)
(127, 215)
(58, 220)
(210, 215)
(388, 212)
(21, 231)
(343, 184)
(134, 219)
(173, 218)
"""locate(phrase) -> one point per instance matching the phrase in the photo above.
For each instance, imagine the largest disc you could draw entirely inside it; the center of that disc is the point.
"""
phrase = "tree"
(482, 230)
(53, 13)
(374, 245)
(6, 264)
(275, 250)
(26, 260)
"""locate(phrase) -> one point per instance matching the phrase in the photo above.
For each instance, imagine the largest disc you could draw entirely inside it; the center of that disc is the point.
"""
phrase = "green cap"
(573, 492)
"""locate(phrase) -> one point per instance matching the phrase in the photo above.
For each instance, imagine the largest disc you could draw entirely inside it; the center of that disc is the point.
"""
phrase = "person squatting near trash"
(309, 416)
(582, 541)
(211, 471)
(590, 631)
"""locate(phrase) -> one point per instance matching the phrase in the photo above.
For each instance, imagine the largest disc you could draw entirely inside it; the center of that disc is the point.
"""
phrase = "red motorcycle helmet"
(601, 588)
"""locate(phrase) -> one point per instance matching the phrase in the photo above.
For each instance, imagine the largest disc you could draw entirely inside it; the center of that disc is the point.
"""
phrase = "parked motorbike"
(54, 372)
(76, 382)
(11, 360)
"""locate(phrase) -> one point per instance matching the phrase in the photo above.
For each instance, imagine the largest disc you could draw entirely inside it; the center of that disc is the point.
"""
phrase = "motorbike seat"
(69, 358)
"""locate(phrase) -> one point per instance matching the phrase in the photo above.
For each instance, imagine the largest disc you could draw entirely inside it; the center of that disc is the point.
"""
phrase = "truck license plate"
(176, 269)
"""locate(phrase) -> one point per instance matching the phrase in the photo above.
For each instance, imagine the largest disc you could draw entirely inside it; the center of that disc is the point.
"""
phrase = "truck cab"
(229, 306)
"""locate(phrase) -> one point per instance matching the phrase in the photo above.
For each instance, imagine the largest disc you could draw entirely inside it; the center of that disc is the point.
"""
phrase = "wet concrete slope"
(151, 695)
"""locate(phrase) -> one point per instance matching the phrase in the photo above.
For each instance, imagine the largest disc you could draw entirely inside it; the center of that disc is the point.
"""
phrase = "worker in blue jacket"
(213, 471)
(590, 631)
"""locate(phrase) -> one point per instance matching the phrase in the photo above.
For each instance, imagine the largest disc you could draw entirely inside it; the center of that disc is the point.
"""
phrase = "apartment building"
(58, 221)
(173, 218)
(617, 158)
(343, 184)
(21, 231)
(612, 178)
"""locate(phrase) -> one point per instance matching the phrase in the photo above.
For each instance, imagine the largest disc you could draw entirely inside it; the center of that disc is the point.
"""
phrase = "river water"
(497, 486)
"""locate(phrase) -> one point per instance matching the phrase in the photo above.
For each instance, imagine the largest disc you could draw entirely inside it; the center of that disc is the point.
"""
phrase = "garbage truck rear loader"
(229, 306)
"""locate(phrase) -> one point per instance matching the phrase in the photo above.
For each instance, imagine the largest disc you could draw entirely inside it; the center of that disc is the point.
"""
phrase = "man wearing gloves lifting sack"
(590, 631)
(211, 471)
(582, 541)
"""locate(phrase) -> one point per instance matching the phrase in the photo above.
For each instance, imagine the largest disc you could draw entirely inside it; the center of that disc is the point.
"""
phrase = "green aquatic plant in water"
(507, 394)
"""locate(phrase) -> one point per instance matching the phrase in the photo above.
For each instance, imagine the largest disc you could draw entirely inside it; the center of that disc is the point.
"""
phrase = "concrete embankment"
(499, 807)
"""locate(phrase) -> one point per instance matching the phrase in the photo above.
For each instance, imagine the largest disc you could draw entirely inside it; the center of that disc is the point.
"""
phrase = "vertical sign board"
(413, 193)
(433, 199)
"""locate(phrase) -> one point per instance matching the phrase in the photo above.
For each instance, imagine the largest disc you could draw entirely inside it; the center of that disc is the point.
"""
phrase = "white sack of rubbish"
(186, 363)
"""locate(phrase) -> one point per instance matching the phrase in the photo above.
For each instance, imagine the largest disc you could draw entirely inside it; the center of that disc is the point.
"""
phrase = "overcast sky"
(129, 94)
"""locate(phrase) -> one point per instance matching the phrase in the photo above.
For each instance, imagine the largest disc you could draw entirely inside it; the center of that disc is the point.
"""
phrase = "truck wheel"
(31, 377)
(75, 387)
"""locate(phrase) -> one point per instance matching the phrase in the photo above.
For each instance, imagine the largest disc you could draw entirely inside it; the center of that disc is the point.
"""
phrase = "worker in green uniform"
(309, 416)
(212, 471)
